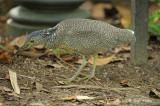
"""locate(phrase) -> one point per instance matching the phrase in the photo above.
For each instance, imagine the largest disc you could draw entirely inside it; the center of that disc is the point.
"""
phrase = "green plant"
(156, 1)
(4, 48)
(153, 26)
(57, 51)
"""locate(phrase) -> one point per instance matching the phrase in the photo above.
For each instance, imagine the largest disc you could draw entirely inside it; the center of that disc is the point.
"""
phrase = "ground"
(138, 84)
(41, 82)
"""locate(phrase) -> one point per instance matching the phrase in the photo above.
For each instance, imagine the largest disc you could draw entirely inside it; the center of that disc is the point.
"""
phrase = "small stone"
(120, 65)
(105, 74)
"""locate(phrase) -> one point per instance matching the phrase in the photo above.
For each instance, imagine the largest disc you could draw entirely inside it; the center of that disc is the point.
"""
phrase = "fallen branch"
(92, 87)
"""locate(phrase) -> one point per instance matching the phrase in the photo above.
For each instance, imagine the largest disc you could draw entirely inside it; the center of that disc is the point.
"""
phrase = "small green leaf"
(66, 51)
(57, 51)
(4, 48)
(154, 28)
(154, 16)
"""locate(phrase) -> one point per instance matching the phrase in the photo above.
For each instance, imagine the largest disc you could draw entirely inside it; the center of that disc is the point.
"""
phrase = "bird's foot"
(88, 77)
(67, 80)
(72, 79)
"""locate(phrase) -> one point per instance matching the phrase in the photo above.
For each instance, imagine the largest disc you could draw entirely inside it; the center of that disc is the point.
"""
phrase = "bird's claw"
(72, 79)
(67, 80)
(87, 78)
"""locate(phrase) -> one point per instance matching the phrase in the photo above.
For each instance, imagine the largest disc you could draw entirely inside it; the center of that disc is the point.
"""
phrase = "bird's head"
(39, 37)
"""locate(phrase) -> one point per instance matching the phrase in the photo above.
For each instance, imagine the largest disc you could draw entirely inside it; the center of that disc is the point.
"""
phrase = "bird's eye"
(32, 41)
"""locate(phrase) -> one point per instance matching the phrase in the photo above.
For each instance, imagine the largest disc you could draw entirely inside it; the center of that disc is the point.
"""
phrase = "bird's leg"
(88, 77)
(84, 62)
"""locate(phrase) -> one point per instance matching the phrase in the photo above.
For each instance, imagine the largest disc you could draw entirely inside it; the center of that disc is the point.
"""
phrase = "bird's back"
(86, 36)
(85, 25)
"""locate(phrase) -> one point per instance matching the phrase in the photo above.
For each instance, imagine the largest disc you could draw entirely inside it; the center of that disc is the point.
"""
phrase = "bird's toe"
(88, 77)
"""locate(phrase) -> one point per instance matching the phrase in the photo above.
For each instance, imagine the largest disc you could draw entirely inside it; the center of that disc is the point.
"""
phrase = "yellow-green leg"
(84, 62)
(92, 75)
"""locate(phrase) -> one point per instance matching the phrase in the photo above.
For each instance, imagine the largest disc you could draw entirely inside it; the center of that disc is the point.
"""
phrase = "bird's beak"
(23, 47)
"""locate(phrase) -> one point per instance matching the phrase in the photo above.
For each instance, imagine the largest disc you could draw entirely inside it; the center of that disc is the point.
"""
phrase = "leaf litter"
(102, 61)
(78, 97)
(125, 83)
(14, 83)
(39, 86)
(5, 58)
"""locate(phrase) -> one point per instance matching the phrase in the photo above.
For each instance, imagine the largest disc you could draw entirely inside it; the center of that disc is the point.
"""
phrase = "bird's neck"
(50, 43)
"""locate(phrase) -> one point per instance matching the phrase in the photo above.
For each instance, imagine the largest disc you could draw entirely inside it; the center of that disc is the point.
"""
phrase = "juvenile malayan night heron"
(82, 36)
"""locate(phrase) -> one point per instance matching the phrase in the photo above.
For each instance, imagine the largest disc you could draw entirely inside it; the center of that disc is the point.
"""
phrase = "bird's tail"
(125, 36)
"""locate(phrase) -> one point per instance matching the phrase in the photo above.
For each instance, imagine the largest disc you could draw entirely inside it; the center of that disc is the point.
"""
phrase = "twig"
(92, 87)
(61, 64)
(65, 62)
(26, 76)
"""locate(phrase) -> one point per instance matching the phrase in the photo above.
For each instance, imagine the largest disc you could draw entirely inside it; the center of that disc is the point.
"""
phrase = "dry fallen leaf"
(115, 102)
(14, 94)
(39, 86)
(36, 104)
(69, 98)
(5, 58)
(61, 82)
(126, 15)
(7, 89)
(25, 88)
(79, 97)
(13, 79)
(57, 65)
(19, 41)
(122, 48)
(101, 101)
(102, 61)
(125, 21)
(119, 59)
(34, 54)
(98, 10)
(70, 58)
(155, 93)
(46, 90)
(83, 97)
(79, 61)
(87, 5)
(125, 83)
